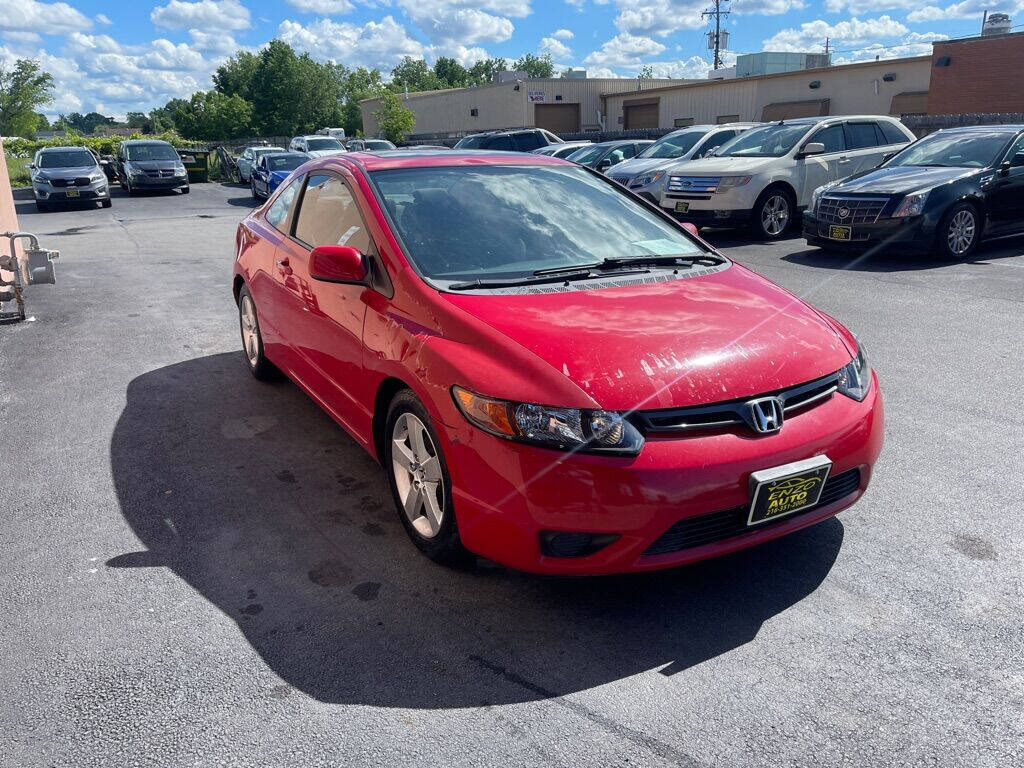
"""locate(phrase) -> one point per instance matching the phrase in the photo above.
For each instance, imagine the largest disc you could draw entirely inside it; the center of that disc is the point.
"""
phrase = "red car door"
(324, 321)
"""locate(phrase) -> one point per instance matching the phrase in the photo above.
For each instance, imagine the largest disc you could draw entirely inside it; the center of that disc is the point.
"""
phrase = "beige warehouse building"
(894, 87)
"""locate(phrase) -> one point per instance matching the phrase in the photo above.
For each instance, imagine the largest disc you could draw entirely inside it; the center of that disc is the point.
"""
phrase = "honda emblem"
(765, 415)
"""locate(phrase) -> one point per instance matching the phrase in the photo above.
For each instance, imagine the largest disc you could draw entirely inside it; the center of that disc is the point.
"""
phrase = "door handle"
(284, 266)
(844, 160)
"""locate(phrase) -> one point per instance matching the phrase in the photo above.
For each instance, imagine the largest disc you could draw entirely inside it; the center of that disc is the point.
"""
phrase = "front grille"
(161, 174)
(694, 184)
(734, 412)
(717, 526)
(859, 210)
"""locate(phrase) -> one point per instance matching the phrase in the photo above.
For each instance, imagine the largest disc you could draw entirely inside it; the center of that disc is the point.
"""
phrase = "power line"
(717, 13)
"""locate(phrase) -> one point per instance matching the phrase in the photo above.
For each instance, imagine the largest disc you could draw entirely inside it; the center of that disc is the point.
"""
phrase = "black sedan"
(944, 193)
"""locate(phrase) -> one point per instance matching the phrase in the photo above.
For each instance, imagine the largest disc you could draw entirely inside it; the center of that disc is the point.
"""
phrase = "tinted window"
(285, 162)
(1015, 150)
(459, 223)
(73, 158)
(471, 142)
(769, 141)
(715, 142)
(526, 141)
(278, 212)
(588, 154)
(318, 144)
(500, 143)
(151, 152)
(831, 137)
(861, 135)
(893, 135)
(673, 145)
(329, 215)
(564, 151)
(954, 150)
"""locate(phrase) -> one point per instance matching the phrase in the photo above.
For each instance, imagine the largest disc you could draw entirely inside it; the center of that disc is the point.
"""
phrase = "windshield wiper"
(577, 273)
(612, 262)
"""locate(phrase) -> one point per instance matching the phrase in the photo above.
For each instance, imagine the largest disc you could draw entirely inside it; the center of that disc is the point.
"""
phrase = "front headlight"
(566, 429)
(855, 377)
(647, 179)
(179, 171)
(816, 195)
(96, 176)
(732, 181)
(912, 205)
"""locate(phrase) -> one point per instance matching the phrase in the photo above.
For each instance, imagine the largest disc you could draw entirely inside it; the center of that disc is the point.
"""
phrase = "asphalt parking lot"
(200, 569)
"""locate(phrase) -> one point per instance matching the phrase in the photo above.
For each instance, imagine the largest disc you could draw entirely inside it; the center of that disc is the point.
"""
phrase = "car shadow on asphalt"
(256, 499)
(894, 261)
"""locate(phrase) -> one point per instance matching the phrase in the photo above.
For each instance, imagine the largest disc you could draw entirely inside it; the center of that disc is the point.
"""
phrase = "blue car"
(271, 169)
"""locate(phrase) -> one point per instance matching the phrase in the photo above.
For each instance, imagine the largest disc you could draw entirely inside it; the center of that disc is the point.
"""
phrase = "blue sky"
(114, 56)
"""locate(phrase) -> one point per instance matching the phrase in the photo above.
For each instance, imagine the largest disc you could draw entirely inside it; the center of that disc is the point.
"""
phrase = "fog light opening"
(573, 544)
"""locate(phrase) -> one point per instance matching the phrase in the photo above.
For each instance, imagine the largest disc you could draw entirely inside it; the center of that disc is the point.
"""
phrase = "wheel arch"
(386, 391)
(236, 287)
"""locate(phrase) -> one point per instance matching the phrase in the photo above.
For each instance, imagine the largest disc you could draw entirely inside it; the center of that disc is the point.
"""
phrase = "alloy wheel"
(417, 472)
(775, 214)
(961, 232)
(250, 331)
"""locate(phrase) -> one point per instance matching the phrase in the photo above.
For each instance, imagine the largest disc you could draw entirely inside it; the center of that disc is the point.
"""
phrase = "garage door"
(640, 116)
(557, 118)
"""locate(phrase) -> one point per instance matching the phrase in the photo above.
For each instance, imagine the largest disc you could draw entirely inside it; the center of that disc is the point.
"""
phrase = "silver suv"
(67, 175)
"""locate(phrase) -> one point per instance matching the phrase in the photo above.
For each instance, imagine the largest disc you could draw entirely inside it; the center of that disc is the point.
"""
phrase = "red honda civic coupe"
(554, 374)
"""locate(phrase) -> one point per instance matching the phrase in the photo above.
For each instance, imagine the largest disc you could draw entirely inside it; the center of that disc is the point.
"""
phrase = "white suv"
(317, 146)
(765, 175)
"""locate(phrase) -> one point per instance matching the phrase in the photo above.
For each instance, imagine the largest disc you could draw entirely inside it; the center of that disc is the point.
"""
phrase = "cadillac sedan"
(581, 391)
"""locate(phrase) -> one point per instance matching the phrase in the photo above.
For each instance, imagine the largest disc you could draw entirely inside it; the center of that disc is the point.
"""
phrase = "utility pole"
(828, 50)
(717, 13)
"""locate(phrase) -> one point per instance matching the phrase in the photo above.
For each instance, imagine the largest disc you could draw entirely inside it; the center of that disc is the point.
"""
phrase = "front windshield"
(152, 152)
(768, 141)
(259, 152)
(673, 145)
(587, 155)
(462, 223)
(976, 150)
(371, 144)
(471, 142)
(285, 162)
(317, 144)
(72, 158)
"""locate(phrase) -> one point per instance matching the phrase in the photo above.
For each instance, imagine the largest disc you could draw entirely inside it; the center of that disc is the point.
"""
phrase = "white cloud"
(845, 34)
(624, 50)
(660, 18)
(102, 18)
(34, 16)
(450, 23)
(21, 36)
(213, 42)
(212, 14)
(968, 9)
(556, 49)
(563, 34)
(374, 44)
(326, 7)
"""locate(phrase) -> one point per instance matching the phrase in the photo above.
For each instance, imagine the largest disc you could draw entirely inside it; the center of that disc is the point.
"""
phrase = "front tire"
(252, 339)
(252, 186)
(128, 187)
(772, 214)
(106, 203)
(420, 484)
(959, 232)
(186, 190)
(42, 207)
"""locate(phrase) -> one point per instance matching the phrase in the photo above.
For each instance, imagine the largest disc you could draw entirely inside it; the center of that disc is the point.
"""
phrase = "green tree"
(42, 123)
(236, 75)
(356, 85)
(450, 73)
(136, 120)
(483, 71)
(394, 119)
(535, 66)
(23, 89)
(162, 119)
(645, 73)
(414, 75)
(212, 115)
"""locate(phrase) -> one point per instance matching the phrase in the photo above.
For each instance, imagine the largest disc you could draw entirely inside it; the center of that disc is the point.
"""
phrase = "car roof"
(389, 159)
(1007, 129)
(619, 142)
(140, 142)
(63, 149)
(508, 132)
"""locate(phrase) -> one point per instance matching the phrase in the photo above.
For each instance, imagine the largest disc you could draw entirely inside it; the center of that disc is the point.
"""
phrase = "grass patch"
(17, 169)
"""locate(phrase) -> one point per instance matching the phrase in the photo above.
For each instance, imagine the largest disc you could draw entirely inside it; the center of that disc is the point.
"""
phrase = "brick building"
(977, 74)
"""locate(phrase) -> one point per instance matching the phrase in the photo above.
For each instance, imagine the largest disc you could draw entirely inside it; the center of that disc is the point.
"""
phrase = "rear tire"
(959, 232)
(252, 339)
(772, 214)
(420, 484)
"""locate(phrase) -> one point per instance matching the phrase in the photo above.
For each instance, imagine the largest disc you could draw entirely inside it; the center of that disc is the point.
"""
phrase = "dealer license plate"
(682, 206)
(71, 192)
(783, 490)
(839, 233)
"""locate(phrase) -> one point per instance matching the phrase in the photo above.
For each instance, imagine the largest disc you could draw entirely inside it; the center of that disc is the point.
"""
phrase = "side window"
(861, 135)
(501, 143)
(1016, 154)
(526, 141)
(893, 135)
(831, 137)
(329, 215)
(278, 213)
(713, 143)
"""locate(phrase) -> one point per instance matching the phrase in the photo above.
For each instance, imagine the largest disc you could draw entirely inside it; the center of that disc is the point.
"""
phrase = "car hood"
(279, 175)
(70, 173)
(636, 166)
(723, 166)
(722, 336)
(154, 165)
(325, 152)
(900, 179)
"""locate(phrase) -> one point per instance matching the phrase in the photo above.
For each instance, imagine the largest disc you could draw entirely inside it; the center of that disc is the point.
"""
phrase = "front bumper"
(911, 233)
(506, 494)
(153, 182)
(45, 192)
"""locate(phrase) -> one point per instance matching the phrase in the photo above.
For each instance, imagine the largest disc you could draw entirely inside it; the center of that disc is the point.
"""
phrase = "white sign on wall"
(536, 96)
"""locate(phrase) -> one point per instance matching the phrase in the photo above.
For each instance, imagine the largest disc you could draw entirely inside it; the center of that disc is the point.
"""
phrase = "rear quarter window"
(893, 135)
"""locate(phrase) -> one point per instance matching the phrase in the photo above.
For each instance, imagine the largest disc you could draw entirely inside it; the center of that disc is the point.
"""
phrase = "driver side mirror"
(812, 148)
(337, 264)
(604, 165)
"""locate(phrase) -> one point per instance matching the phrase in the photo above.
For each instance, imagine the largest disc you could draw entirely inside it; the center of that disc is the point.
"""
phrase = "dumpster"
(197, 163)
